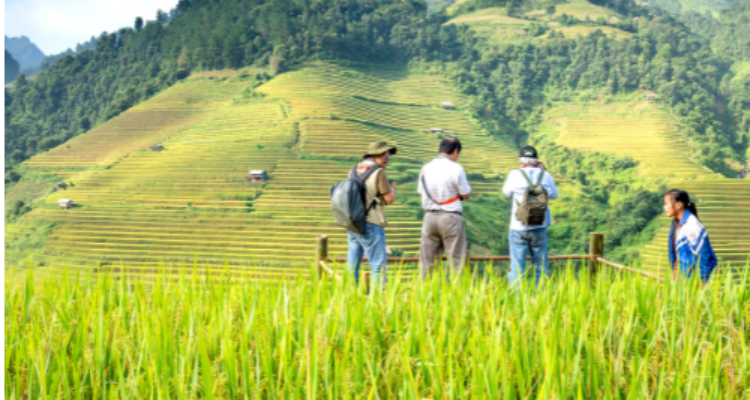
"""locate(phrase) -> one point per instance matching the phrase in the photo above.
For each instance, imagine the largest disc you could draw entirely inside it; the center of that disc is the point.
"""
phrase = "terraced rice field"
(644, 133)
(724, 208)
(190, 205)
(492, 15)
(583, 9)
(572, 31)
(179, 107)
(383, 85)
(494, 25)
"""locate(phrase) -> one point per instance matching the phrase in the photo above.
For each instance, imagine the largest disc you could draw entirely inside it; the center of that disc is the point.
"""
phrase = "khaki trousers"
(442, 232)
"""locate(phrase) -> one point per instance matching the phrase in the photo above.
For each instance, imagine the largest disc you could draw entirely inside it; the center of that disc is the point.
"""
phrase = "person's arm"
(672, 252)
(390, 198)
(387, 191)
(706, 259)
(464, 190)
(420, 186)
(509, 185)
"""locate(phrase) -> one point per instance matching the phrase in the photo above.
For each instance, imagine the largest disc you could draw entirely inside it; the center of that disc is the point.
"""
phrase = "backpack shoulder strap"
(539, 181)
(362, 178)
(526, 176)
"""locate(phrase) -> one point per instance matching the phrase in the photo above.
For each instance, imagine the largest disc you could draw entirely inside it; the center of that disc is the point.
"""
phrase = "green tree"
(161, 17)
(138, 24)
(85, 124)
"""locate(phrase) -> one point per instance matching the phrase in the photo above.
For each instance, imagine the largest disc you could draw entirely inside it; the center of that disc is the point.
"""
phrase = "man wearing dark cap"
(528, 239)
(378, 193)
(443, 185)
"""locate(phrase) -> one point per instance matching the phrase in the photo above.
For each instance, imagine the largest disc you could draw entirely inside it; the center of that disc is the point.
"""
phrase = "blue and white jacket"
(691, 247)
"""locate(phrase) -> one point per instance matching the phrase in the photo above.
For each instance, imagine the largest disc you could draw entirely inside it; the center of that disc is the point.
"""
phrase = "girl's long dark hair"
(681, 196)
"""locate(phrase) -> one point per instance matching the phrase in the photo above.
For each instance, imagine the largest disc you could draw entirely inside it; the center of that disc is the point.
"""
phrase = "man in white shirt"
(443, 185)
(525, 239)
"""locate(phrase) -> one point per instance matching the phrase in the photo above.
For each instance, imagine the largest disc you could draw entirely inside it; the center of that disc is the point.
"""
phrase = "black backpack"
(349, 201)
(533, 209)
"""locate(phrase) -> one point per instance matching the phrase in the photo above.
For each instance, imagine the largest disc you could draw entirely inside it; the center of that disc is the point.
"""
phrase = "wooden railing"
(595, 257)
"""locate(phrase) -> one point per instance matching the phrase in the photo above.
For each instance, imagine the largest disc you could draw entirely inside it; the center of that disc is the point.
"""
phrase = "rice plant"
(622, 336)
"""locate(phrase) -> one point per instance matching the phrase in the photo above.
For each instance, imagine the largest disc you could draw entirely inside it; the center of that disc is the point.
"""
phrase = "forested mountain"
(11, 67)
(729, 33)
(49, 60)
(24, 51)
(133, 64)
(83, 90)
(663, 57)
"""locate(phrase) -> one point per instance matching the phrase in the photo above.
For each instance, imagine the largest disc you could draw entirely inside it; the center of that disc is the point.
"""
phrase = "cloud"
(56, 25)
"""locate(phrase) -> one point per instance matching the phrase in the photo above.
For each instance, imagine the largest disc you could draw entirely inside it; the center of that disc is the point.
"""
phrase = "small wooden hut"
(62, 185)
(65, 203)
(156, 147)
(650, 97)
(257, 176)
(446, 105)
(435, 130)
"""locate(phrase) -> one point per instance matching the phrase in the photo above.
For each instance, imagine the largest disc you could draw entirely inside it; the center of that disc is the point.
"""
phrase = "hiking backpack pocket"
(532, 211)
(349, 201)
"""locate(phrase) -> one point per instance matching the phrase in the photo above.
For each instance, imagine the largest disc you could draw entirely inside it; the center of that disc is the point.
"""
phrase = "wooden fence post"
(321, 253)
(596, 249)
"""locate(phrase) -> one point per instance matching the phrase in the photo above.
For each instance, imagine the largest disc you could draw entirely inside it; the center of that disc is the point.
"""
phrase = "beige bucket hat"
(378, 148)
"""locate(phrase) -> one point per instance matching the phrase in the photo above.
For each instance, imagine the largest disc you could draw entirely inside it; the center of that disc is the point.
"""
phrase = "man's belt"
(443, 211)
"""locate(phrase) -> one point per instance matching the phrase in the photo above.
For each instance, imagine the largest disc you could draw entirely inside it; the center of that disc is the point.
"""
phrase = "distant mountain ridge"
(11, 67)
(24, 51)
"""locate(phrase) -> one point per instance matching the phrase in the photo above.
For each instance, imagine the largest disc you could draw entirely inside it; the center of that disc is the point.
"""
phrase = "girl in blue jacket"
(689, 246)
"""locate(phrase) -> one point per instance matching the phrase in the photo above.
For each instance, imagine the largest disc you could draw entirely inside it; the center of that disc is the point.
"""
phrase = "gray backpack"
(348, 201)
(533, 209)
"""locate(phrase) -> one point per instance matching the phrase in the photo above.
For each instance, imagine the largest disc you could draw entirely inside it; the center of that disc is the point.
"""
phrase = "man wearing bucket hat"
(378, 192)
(529, 189)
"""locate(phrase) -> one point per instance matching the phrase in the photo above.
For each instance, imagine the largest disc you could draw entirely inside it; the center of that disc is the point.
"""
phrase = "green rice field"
(622, 336)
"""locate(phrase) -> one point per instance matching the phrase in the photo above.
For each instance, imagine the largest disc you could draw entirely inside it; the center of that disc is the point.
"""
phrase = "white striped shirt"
(445, 180)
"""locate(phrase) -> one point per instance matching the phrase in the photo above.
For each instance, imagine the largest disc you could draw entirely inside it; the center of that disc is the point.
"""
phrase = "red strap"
(453, 200)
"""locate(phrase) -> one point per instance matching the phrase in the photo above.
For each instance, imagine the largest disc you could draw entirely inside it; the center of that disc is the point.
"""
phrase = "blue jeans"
(533, 242)
(372, 243)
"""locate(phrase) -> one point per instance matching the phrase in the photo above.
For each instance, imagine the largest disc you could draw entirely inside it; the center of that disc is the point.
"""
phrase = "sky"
(56, 25)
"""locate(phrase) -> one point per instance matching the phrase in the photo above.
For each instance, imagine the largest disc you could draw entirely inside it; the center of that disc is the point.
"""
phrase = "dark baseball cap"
(528, 152)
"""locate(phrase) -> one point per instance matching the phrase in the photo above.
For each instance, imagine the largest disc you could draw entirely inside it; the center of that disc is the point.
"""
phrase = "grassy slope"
(681, 6)
(496, 26)
(191, 200)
